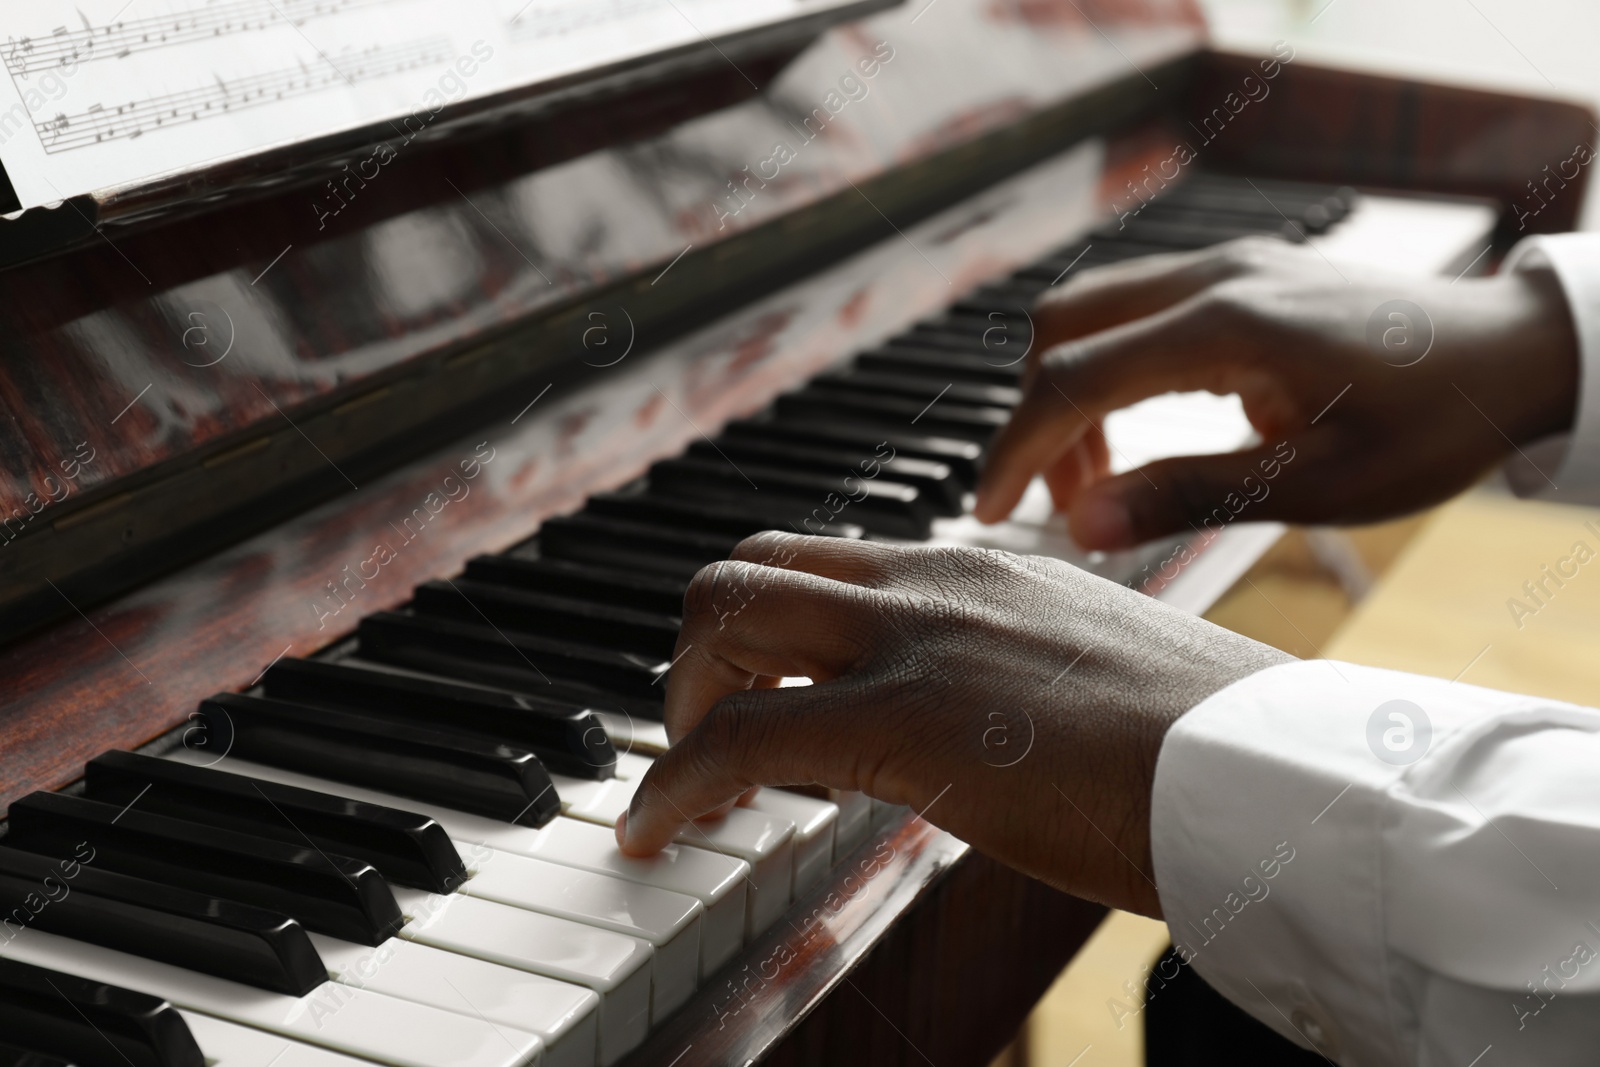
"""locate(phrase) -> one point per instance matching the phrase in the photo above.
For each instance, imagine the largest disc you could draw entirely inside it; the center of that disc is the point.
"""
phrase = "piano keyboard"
(401, 853)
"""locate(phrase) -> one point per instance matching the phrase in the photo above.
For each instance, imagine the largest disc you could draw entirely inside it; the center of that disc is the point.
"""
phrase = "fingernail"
(622, 829)
(1101, 521)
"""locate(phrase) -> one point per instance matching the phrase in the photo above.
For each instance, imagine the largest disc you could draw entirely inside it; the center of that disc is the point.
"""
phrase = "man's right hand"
(1386, 410)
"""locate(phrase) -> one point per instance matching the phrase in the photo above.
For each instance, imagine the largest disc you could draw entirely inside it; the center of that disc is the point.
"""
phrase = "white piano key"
(764, 842)
(815, 822)
(670, 922)
(564, 1015)
(615, 966)
(629, 734)
(855, 821)
(718, 881)
(228, 1044)
(336, 1017)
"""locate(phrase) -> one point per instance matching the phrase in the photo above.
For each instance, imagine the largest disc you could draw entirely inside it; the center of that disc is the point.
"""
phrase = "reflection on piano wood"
(447, 681)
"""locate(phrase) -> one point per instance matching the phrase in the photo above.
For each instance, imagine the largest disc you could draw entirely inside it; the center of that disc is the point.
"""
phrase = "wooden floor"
(1433, 594)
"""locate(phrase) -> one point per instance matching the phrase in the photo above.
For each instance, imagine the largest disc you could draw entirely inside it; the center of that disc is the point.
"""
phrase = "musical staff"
(63, 47)
(100, 123)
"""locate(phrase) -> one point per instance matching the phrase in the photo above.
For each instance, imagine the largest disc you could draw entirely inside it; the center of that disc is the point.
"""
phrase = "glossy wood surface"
(1321, 124)
(390, 280)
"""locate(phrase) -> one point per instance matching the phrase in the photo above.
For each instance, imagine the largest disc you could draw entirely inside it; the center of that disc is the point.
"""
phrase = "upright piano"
(375, 378)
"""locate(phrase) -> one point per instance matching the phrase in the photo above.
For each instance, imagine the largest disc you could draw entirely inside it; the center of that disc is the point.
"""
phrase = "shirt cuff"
(1573, 458)
(1270, 812)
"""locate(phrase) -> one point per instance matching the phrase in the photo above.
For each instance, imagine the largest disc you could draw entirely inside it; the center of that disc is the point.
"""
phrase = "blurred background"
(1532, 46)
(1411, 594)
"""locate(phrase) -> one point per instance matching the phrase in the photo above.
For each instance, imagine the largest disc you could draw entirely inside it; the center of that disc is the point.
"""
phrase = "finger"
(744, 623)
(1087, 462)
(1200, 494)
(1186, 347)
(842, 559)
(1118, 293)
(777, 737)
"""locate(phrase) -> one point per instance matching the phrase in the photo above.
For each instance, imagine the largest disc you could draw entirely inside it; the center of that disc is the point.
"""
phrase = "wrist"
(1534, 368)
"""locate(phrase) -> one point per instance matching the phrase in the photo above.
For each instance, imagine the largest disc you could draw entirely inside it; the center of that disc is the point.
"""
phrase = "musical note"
(135, 118)
(119, 40)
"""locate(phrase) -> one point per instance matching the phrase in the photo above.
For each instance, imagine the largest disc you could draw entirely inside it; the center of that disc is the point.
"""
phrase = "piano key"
(935, 481)
(855, 821)
(406, 849)
(565, 1016)
(524, 662)
(553, 616)
(669, 922)
(944, 366)
(930, 417)
(455, 768)
(325, 892)
(962, 457)
(995, 333)
(815, 822)
(266, 949)
(718, 881)
(16, 1056)
(877, 504)
(334, 1016)
(228, 1044)
(562, 735)
(92, 1023)
(1009, 297)
(616, 967)
(643, 592)
(763, 841)
(913, 387)
(738, 522)
(618, 543)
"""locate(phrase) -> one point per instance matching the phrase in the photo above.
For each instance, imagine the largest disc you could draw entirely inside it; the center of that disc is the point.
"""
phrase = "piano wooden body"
(236, 425)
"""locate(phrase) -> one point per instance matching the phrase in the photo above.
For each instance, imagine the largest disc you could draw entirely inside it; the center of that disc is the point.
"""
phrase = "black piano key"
(90, 1023)
(633, 589)
(406, 848)
(881, 506)
(224, 938)
(914, 388)
(1011, 297)
(452, 768)
(935, 481)
(16, 1056)
(548, 614)
(962, 457)
(739, 522)
(933, 416)
(945, 366)
(1186, 236)
(926, 335)
(326, 892)
(561, 670)
(994, 331)
(629, 545)
(568, 739)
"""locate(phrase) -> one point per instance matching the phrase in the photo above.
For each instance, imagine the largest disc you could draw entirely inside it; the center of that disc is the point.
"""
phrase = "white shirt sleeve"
(1390, 868)
(1570, 461)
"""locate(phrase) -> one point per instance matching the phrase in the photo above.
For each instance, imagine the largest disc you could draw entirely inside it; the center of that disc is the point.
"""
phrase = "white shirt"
(1398, 869)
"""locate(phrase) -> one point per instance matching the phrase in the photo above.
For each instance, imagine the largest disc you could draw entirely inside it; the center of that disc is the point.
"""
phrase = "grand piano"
(357, 452)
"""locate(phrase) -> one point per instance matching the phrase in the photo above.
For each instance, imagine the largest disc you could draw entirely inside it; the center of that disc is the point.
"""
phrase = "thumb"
(1191, 493)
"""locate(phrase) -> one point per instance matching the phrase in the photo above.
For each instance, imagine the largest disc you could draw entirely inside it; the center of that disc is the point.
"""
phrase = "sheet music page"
(100, 93)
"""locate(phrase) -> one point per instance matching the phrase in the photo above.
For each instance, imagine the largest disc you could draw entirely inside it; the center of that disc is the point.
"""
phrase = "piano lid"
(188, 101)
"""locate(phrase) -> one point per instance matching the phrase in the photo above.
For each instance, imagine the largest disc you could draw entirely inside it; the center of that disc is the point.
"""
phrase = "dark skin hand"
(1411, 424)
(1021, 703)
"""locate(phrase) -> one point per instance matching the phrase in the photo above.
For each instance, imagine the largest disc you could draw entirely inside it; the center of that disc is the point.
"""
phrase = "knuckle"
(772, 548)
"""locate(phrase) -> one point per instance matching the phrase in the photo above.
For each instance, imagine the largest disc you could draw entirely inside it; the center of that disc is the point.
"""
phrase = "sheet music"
(101, 93)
